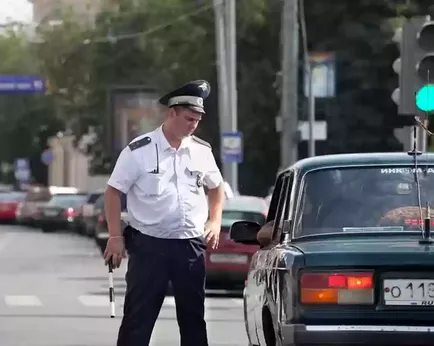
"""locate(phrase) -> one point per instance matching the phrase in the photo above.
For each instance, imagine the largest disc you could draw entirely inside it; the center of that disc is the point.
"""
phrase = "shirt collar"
(165, 145)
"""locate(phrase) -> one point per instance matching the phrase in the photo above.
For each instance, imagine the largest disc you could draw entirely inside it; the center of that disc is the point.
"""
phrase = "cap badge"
(203, 86)
(200, 102)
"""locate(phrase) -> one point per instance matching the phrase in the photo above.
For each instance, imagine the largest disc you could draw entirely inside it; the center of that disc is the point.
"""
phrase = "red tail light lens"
(70, 212)
(337, 288)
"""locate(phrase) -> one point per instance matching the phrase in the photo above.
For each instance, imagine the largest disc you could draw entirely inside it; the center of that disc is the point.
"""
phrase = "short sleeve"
(126, 171)
(213, 178)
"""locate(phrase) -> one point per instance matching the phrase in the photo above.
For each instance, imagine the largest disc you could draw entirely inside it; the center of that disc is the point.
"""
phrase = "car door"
(260, 269)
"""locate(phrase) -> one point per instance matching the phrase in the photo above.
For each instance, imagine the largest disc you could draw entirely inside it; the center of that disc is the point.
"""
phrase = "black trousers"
(152, 263)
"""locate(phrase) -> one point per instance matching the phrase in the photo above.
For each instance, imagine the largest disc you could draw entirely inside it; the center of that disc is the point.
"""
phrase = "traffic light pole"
(311, 110)
(289, 97)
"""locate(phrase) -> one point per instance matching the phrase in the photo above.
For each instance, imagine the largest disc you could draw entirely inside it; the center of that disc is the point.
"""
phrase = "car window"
(99, 204)
(364, 199)
(12, 196)
(283, 206)
(271, 215)
(67, 200)
(231, 216)
(93, 197)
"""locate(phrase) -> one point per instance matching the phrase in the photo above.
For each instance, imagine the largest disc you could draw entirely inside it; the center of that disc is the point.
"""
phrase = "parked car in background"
(61, 211)
(228, 265)
(101, 230)
(29, 210)
(91, 221)
(86, 214)
(9, 202)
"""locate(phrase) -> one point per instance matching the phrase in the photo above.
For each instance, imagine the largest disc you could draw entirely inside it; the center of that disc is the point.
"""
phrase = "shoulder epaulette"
(201, 141)
(140, 143)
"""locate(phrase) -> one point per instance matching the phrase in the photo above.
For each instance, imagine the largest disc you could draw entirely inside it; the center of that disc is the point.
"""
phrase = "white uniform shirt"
(165, 195)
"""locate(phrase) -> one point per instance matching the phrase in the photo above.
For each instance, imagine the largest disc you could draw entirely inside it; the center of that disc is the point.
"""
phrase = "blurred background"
(101, 65)
(80, 79)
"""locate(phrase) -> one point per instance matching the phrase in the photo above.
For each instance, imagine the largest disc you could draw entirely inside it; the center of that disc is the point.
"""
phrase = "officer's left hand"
(212, 233)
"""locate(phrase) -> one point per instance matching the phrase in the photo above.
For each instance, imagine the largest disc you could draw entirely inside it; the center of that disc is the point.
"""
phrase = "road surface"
(53, 292)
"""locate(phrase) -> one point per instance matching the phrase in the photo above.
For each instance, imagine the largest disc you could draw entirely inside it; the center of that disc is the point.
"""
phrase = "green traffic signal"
(425, 98)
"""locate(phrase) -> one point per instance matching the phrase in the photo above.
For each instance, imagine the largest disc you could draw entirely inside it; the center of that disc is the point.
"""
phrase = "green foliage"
(26, 121)
(166, 43)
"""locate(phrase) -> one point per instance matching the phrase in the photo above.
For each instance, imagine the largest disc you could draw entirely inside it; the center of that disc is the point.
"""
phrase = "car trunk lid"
(369, 251)
(403, 278)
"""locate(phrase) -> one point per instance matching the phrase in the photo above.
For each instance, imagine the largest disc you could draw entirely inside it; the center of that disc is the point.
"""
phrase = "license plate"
(50, 212)
(228, 258)
(409, 292)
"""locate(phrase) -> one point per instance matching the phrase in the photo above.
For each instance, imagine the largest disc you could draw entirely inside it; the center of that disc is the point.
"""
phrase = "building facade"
(48, 9)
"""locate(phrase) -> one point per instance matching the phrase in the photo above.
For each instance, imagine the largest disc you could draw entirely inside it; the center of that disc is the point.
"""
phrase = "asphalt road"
(53, 292)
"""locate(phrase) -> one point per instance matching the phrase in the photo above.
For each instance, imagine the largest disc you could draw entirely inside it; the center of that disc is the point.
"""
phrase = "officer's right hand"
(115, 250)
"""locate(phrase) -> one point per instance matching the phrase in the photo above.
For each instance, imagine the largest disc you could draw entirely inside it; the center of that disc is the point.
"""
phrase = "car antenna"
(425, 222)
(426, 239)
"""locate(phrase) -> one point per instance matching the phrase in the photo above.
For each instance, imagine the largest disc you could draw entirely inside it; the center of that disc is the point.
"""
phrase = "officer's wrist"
(117, 234)
(215, 220)
(115, 237)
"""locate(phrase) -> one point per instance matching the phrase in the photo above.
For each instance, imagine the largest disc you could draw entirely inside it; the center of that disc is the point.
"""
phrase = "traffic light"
(416, 87)
(425, 68)
(396, 66)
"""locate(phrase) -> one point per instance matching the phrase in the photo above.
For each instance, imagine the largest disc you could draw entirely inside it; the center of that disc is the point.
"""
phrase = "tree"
(168, 42)
(65, 59)
(26, 121)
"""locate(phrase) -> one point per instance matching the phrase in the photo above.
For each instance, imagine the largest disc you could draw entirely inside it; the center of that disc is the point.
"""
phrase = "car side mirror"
(245, 232)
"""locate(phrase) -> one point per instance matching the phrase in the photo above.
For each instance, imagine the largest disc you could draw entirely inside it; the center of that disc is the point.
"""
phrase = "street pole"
(232, 116)
(289, 100)
(423, 137)
(222, 70)
(311, 144)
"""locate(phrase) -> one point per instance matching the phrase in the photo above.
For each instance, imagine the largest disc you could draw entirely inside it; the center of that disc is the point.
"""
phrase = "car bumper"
(55, 224)
(357, 335)
(226, 278)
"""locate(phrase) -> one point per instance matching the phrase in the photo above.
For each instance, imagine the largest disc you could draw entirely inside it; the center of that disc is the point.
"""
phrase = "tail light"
(337, 288)
(70, 212)
(101, 218)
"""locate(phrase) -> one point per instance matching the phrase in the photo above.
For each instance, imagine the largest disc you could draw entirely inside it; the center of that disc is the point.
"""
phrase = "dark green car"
(346, 259)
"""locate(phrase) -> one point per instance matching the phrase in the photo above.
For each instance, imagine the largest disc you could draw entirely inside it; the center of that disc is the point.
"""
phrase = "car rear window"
(67, 200)
(364, 199)
(100, 202)
(93, 197)
(231, 216)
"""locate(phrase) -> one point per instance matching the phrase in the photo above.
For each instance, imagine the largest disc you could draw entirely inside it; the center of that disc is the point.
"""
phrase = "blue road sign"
(47, 157)
(10, 84)
(232, 147)
(22, 170)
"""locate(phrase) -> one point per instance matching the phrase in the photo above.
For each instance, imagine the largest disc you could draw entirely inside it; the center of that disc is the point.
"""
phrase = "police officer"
(163, 174)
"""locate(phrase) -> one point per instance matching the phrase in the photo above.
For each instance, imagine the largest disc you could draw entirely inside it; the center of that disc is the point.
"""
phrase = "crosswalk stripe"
(22, 301)
(95, 301)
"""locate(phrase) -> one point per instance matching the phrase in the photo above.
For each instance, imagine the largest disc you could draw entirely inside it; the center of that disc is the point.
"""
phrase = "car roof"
(360, 159)
(246, 203)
